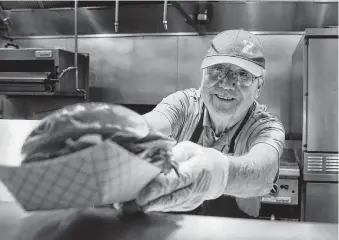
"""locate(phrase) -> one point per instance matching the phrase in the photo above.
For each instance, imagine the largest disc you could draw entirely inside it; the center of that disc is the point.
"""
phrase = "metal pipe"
(76, 44)
(116, 21)
(164, 21)
(67, 70)
(22, 79)
(76, 50)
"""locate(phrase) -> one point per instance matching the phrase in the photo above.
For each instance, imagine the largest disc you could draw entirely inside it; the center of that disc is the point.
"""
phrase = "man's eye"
(243, 74)
(214, 72)
(217, 75)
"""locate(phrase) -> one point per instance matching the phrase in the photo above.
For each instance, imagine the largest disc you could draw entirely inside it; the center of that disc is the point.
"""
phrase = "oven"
(38, 81)
(315, 106)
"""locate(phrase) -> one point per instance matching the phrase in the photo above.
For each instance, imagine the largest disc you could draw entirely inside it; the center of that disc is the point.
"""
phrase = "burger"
(79, 126)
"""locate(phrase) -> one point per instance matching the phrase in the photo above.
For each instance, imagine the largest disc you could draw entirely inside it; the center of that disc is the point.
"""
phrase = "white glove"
(203, 175)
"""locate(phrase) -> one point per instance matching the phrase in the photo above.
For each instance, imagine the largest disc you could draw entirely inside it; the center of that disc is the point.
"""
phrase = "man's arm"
(169, 115)
(249, 175)
(252, 174)
(158, 122)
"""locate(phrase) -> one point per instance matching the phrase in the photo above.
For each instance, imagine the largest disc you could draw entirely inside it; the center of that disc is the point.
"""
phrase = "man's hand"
(203, 175)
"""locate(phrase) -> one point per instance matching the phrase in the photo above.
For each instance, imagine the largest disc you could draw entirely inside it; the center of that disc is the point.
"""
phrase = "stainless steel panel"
(191, 51)
(320, 177)
(14, 109)
(321, 32)
(42, 43)
(298, 61)
(278, 51)
(287, 194)
(289, 162)
(321, 202)
(5, 194)
(288, 172)
(37, 107)
(131, 70)
(322, 109)
(255, 16)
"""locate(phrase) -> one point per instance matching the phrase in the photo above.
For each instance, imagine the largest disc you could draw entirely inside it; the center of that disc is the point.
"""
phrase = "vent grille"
(332, 164)
(315, 164)
(322, 163)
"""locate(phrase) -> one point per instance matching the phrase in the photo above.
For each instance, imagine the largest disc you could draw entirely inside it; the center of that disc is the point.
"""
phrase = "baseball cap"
(238, 47)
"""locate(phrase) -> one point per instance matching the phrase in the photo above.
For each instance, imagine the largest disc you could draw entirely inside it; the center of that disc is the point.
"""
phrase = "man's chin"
(225, 111)
(224, 106)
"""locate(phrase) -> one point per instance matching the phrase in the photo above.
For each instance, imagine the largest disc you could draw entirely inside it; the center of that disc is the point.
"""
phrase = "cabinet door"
(322, 111)
(321, 202)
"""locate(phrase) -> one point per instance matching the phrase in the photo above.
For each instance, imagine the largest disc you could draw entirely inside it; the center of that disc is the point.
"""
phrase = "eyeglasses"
(219, 72)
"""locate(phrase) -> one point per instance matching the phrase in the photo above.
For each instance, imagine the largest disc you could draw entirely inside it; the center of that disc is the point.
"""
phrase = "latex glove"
(203, 175)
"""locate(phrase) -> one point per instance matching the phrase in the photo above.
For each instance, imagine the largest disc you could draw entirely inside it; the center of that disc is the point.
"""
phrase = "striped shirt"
(183, 110)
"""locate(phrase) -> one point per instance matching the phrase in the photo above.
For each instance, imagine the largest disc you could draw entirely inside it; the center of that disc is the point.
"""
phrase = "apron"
(224, 206)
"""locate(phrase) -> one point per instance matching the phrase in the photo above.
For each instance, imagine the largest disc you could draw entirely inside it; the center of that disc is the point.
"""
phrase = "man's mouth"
(224, 97)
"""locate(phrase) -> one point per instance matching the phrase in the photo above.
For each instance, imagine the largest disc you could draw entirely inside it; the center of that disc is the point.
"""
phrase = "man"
(229, 145)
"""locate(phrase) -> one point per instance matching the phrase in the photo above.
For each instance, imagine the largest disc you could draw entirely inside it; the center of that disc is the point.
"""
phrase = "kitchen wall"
(145, 64)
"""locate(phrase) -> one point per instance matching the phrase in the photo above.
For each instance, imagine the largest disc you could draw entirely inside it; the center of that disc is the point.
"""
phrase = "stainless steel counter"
(104, 224)
(13, 135)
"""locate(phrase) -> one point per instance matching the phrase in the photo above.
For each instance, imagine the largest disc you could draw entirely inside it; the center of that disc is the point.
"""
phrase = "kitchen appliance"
(315, 118)
(42, 71)
(283, 202)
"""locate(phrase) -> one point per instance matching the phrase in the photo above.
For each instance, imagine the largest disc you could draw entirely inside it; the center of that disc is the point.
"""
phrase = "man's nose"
(227, 83)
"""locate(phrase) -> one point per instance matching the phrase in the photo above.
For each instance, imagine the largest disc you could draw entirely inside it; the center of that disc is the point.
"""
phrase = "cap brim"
(253, 68)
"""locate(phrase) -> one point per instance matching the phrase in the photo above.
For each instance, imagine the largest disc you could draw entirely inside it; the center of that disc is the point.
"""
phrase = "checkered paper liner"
(103, 174)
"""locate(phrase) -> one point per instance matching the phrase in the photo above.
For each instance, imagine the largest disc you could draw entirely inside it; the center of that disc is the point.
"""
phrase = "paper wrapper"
(103, 174)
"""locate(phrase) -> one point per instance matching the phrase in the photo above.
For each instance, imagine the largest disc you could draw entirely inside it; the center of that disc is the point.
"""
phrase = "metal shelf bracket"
(187, 17)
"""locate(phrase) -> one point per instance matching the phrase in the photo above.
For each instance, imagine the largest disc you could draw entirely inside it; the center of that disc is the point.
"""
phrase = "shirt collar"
(206, 121)
(199, 92)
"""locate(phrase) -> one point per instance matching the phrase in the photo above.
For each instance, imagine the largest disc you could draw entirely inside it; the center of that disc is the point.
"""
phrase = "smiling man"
(229, 145)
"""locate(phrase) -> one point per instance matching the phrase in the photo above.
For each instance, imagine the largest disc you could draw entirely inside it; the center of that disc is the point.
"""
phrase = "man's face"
(224, 96)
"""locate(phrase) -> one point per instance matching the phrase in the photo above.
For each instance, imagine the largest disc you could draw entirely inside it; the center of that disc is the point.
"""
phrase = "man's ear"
(261, 83)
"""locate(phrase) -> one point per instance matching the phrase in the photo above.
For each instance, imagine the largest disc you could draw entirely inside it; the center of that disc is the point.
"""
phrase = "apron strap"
(198, 129)
(232, 144)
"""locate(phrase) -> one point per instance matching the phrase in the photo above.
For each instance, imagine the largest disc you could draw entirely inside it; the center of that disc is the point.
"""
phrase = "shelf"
(42, 94)
(11, 5)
